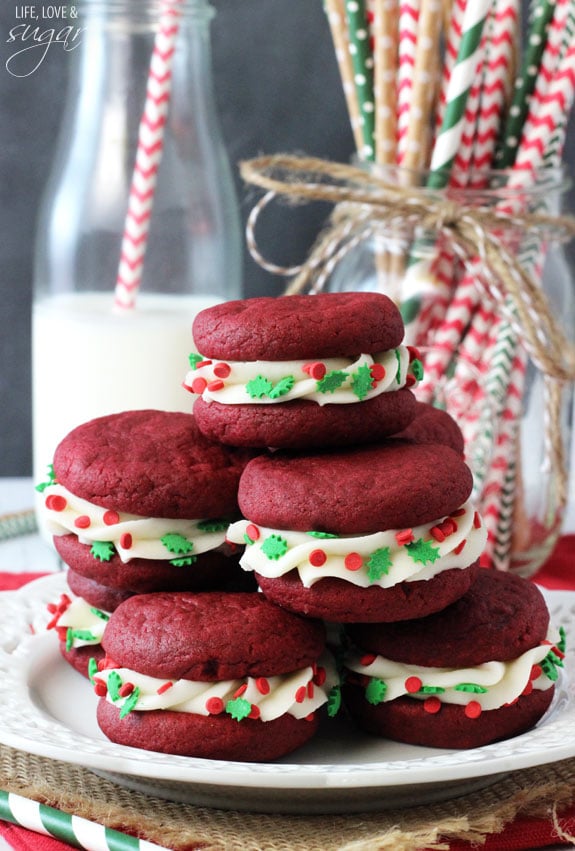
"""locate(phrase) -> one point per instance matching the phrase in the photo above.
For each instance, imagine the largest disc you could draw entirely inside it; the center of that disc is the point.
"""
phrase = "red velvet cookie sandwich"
(140, 501)
(376, 533)
(302, 371)
(214, 675)
(481, 670)
(433, 425)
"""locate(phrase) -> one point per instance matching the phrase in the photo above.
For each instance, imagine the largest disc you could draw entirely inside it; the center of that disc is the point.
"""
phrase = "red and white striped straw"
(148, 157)
(408, 22)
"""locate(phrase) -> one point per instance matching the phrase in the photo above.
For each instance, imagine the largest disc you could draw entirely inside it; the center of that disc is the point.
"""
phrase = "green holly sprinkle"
(103, 550)
(130, 703)
(398, 359)
(239, 708)
(361, 382)
(378, 564)
(99, 614)
(375, 691)
(274, 547)
(184, 562)
(213, 525)
(322, 534)
(283, 386)
(176, 543)
(258, 387)
(431, 690)
(562, 643)
(471, 688)
(417, 369)
(92, 669)
(331, 381)
(550, 664)
(422, 551)
(51, 480)
(114, 685)
(80, 635)
(334, 701)
(194, 359)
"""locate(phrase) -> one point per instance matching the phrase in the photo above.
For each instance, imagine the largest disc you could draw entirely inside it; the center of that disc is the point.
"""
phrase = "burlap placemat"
(537, 792)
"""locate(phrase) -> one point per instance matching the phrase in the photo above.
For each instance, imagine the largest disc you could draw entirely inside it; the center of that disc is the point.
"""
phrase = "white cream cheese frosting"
(130, 535)
(490, 685)
(382, 559)
(331, 381)
(78, 623)
(298, 693)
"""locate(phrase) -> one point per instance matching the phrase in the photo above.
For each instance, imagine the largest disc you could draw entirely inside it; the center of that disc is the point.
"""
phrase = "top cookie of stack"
(301, 372)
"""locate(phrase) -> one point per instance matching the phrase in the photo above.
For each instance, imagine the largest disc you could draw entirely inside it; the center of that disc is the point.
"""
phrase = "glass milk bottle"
(140, 173)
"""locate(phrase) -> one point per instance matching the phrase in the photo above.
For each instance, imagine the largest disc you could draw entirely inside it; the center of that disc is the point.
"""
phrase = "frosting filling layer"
(334, 381)
(77, 623)
(382, 559)
(130, 535)
(298, 693)
(487, 686)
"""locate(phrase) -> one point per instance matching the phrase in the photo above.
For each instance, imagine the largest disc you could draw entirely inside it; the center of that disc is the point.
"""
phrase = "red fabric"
(524, 834)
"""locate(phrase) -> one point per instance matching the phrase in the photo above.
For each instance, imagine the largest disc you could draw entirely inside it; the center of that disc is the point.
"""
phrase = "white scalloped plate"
(47, 709)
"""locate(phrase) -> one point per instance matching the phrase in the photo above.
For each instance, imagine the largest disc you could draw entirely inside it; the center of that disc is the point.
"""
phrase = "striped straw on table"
(76, 831)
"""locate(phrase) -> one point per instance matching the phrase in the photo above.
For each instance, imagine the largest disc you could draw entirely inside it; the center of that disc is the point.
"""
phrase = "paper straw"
(76, 831)
(335, 12)
(408, 22)
(385, 53)
(469, 59)
(452, 42)
(362, 60)
(526, 81)
(148, 156)
(18, 523)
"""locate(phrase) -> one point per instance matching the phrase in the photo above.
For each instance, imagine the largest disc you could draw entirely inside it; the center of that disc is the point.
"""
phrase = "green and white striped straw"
(362, 58)
(76, 831)
(18, 523)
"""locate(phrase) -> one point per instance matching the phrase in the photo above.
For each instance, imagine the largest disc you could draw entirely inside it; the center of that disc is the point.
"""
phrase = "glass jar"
(90, 357)
(515, 418)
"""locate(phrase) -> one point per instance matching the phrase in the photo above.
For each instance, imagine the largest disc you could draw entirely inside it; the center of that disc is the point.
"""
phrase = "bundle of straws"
(459, 89)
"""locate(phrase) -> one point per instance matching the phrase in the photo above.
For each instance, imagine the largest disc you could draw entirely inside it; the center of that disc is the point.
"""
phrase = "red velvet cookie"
(374, 533)
(302, 371)
(140, 501)
(233, 676)
(433, 425)
(481, 670)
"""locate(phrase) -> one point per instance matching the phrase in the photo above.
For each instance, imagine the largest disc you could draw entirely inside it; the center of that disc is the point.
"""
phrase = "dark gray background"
(277, 88)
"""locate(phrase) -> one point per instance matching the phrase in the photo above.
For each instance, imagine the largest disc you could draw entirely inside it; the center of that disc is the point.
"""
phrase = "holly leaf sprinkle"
(176, 543)
(51, 480)
(184, 562)
(103, 550)
(274, 547)
(375, 691)
(398, 359)
(80, 635)
(416, 367)
(99, 613)
(194, 359)
(470, 688)
(331, 381)
(422, 551)
(378, 564)
(431, 690)
(550, 664)
(239, 708)
(130, 703)
(258, 387)
(213, 525)
(361, 382)
(114, 685)
(562, 643)
(334, 701)
(283, 386)
(322, 534)
(92, 668)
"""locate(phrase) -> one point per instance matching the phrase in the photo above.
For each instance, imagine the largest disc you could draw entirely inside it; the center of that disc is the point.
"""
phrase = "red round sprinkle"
(405, 536)
(215, 705)
(55, 502)
(473, 709)
(459, 513)
(262, 685)
(317, 558)
(61, 632)
(164, 687)
(216, 384)
(126, 541)
(199, 384)
(368, 659)
(110, 518)
(410, 380)
(100, 688)
(536, 672)
(238, 692)
(353, 561)
(222, 370)
(320, 676)
(412, 685)
(432, 705)
(255, 712)
(126, 689)
(300, 694)
(414, 353)
(310, 717)
(377, 371)
(316, 370)
(252, 532)
(477, 520)
(528, 688)
(459, 547)
(437, 534)
(202, 363)
(82, 522)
